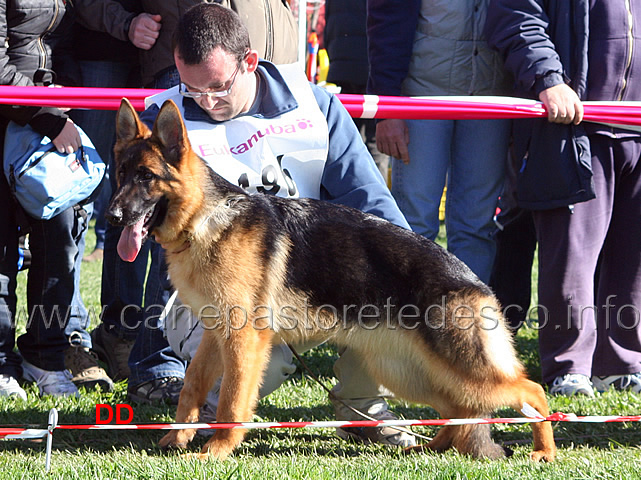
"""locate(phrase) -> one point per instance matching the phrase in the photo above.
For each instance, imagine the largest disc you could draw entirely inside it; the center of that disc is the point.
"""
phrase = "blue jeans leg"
(469, 155)
(100, 126)
(50, 290)
(76, 329)
(151, 356)
(475, 181)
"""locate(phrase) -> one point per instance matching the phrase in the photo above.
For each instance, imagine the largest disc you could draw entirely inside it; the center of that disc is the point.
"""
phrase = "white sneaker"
(630, 382)
(9, 386)
(57, 383)
(572, 384)
(383, 435)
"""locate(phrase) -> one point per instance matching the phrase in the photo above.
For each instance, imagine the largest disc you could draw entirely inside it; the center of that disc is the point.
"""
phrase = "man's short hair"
(207, 26)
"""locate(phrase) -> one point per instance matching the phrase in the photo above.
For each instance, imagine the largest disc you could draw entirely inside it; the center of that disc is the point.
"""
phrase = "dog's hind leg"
(474, 440)
(246, 354)
(200, 376)
(526, 391)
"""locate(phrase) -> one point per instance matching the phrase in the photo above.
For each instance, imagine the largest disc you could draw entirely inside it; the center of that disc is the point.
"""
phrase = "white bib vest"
(283, 156)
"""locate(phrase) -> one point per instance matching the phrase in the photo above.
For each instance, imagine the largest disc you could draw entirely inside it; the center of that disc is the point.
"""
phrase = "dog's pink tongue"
(130, 241)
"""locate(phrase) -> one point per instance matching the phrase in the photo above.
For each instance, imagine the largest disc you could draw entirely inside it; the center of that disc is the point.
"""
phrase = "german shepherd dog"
(302, 270)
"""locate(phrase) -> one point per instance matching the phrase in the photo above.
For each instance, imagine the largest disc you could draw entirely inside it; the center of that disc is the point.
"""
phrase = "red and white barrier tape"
(360, 106)
(18, 433)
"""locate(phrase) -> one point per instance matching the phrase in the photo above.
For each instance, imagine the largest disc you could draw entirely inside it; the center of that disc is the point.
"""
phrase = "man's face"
(218, 73)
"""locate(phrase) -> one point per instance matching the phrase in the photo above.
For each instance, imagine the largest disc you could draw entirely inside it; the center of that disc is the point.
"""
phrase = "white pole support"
(53, 423)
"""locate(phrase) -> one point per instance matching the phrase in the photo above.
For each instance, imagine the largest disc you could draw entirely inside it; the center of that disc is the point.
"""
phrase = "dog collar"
(186, 244)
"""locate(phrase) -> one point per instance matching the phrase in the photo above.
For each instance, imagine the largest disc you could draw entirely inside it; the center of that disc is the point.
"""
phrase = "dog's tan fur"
(218, 257)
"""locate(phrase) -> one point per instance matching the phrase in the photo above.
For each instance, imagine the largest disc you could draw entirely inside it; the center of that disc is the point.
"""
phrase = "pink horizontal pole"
(366, 106)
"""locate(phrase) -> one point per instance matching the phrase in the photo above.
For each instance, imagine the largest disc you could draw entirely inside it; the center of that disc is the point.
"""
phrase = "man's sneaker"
(85, 370)
(9, 386)
(57, 383)
(572, 384)
(160, 390)
(384, 435)
(630, 382)
(113, 351)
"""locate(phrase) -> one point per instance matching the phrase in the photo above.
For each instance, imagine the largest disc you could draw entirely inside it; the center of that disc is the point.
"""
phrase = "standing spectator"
(345, 39)
(103, 61)
(98, 60)
(29, 28)
(437, 47)
(583, 182)
(130, 339)
(515, 237)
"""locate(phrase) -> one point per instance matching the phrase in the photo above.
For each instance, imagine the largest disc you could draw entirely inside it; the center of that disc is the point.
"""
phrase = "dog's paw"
(219, 448)
(177, 439)
(543, 455)
(203, 457)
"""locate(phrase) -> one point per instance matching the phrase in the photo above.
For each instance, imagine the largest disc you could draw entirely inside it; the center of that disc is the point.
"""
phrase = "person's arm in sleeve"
(351, 177)
(518, 30)
(391, 26)
(109, 16)
(50, 122)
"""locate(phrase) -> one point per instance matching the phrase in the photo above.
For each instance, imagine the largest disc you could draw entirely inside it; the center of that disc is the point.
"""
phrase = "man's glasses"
(216, 93)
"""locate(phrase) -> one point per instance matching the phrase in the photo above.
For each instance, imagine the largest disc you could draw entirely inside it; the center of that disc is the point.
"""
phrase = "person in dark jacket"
(437, 47)
(25, 59)
(582, 181)
(345, 39)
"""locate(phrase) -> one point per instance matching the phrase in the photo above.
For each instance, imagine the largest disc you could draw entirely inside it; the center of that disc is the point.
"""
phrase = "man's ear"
(128, 125)
(252, 61)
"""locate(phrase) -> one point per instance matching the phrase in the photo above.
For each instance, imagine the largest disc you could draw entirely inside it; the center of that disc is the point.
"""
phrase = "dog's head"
(148, 169)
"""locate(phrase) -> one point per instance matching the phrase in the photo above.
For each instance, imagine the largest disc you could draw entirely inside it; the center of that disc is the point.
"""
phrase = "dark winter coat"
(546, 43)
(272, 28)
(25, 58)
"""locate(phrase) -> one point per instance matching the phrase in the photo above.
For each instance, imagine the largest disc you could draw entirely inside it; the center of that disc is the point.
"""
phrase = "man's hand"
(144, 30)
(68, 140)
(392, 137)
(563, 104)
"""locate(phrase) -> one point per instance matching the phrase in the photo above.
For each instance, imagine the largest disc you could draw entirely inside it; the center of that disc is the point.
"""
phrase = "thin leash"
(334, 397)
(331, 394)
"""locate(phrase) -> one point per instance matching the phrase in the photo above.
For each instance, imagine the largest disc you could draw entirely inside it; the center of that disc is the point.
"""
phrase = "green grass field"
(586, 451)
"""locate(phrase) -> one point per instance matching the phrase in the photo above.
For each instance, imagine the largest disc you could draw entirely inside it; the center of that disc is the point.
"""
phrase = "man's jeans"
(123, 284)
(470, 155)
(55, 310)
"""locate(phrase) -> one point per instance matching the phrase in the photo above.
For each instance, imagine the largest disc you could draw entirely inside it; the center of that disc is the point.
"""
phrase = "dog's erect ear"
(169, 130)
(128, 125)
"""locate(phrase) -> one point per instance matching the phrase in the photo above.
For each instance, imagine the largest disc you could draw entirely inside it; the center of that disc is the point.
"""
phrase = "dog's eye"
(145, 176)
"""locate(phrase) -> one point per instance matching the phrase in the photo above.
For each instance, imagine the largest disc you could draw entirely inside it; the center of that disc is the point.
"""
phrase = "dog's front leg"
(245, 356)
(200, 376)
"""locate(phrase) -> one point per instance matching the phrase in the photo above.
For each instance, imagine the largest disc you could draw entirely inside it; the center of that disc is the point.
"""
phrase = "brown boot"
(113, 351)
(85, 370)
